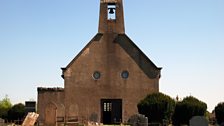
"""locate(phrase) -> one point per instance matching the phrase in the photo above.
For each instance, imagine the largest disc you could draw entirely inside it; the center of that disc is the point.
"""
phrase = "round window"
(125, 74)
(96, 75)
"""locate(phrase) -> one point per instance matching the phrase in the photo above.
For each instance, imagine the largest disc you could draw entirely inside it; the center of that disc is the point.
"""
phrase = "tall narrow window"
(111, 11)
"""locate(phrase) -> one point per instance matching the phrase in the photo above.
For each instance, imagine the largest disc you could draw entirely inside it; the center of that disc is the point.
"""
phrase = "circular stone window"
(125, 74)
(96, 75)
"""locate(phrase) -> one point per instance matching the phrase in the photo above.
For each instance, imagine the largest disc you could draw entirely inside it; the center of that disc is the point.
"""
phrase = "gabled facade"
(107, 79)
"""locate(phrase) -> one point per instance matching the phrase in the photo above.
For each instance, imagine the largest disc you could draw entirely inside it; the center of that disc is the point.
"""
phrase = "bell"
(111, 10)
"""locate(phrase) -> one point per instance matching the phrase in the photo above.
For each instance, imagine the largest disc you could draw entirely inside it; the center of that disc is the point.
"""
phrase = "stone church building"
(105, 81)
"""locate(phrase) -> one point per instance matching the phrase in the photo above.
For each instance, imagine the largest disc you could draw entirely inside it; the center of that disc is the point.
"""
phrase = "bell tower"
(111, 18)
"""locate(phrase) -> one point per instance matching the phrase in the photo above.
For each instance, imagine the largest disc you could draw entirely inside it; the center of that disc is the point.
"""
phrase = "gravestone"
(93, 117)
(198, 121)
(2, 121)
(30, 119)
(138, 120)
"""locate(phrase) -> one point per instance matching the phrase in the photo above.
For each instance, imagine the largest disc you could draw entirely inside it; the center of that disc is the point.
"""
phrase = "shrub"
(17, 112)
(219, 113)
(188, 108)
(157, 107)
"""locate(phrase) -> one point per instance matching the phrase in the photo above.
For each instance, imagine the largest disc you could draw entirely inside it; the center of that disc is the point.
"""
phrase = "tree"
(5, 105)
(188, 108)
(17, 112)
(157, 107)
(219, 113)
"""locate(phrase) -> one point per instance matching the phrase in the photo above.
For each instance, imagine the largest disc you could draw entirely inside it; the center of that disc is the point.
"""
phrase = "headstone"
(30, 119)
(2, 121)
(138, 120)
(93, 117)
(198, 121)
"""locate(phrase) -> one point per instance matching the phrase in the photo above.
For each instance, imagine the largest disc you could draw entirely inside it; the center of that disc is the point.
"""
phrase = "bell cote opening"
(111, 11)
(111, 17)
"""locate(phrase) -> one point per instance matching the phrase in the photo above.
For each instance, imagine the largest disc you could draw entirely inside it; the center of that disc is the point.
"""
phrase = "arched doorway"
(50, 114)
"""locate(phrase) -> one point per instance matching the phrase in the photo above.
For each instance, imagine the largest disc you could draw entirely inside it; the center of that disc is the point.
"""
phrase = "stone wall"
(83, 92)
(50, 105)
(109, 54)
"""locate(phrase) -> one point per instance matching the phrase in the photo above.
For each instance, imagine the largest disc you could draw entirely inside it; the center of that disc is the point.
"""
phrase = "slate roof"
(146, 65)
(97, 37)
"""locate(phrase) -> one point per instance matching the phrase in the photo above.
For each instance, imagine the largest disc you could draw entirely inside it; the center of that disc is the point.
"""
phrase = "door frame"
(113, 109)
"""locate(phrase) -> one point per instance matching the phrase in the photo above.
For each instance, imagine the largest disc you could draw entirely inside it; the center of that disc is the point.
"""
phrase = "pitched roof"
(97, 37)
(146, 65)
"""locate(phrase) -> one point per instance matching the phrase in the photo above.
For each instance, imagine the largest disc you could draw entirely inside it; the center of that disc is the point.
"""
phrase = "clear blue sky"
(185, 37)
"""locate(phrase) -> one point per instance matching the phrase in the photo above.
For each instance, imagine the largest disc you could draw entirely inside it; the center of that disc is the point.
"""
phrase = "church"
(105, 81)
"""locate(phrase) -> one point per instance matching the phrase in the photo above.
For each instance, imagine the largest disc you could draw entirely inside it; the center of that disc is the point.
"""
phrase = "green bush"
(157, 107)
(17, 112)
(5, 106)
(188, 108)
(219, 113)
